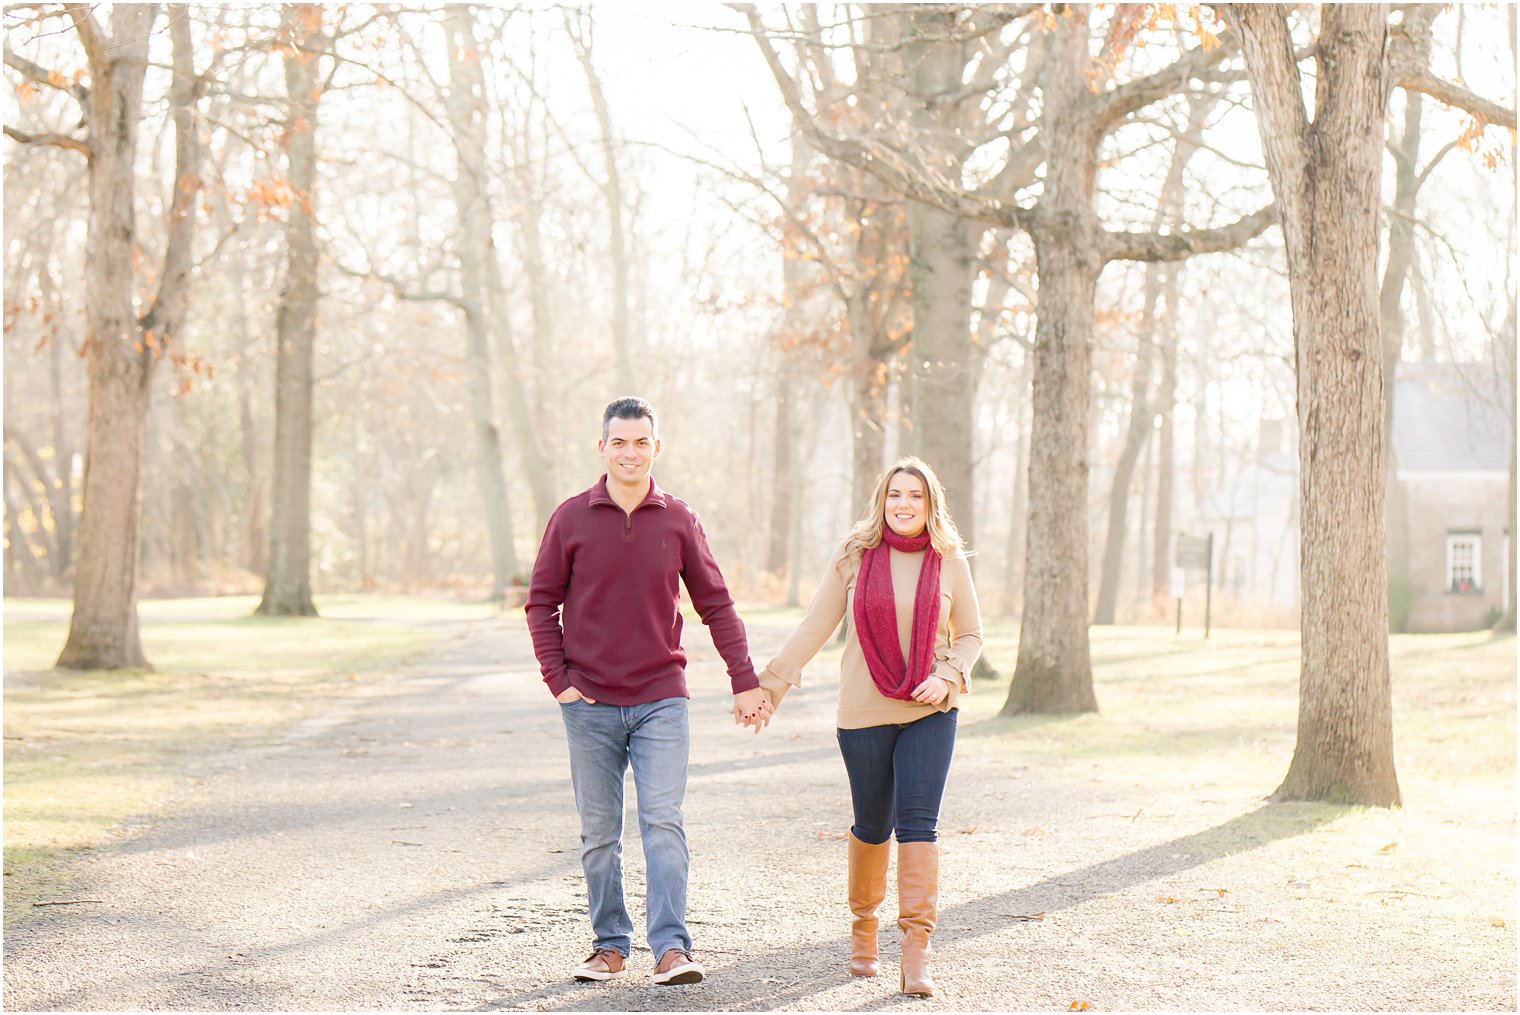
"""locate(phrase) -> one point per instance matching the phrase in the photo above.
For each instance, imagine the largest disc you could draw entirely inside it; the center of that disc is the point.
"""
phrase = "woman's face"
(907, 504)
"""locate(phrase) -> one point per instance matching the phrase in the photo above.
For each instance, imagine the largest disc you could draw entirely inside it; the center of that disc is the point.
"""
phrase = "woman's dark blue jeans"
(897, 777)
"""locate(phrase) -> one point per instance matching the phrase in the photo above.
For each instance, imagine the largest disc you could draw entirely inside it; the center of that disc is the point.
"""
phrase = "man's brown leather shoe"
(602, 964)
(676, 967)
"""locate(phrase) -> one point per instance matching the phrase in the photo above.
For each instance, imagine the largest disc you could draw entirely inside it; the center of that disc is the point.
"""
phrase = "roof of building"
(1451, 417)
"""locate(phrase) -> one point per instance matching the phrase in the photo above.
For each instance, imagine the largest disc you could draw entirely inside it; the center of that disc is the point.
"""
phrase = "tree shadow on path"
(816, 967)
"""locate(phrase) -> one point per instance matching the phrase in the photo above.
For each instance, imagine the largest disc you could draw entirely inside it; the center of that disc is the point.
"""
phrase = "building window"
(1464, 562)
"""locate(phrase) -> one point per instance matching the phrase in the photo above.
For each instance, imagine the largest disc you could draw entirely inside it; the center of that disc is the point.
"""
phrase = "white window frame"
(1476, 540)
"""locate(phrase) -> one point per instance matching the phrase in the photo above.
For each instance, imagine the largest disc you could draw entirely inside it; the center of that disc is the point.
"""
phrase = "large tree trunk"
(1054, 668)
(465, 104)
(287, 584)
(103, 629)
(1326, 176)
(940, 366)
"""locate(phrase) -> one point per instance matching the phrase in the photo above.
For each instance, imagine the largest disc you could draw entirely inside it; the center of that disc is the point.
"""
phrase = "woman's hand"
(752, 708)
(571, 694)
(932, 691)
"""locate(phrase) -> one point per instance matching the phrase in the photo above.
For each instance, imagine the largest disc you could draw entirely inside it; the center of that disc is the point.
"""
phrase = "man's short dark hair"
(628, 407)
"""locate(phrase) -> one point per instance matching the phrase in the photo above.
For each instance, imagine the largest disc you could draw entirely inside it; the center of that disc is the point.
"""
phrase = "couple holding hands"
(603, 610)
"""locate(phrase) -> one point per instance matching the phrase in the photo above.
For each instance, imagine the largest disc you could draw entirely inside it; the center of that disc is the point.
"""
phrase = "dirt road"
(415, 848)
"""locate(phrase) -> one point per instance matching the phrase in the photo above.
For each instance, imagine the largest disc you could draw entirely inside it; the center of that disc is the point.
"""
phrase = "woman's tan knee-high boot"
(918, 910)
(868, 887)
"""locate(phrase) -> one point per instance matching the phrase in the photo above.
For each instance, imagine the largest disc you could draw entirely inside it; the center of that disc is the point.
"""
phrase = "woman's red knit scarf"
(876, 615)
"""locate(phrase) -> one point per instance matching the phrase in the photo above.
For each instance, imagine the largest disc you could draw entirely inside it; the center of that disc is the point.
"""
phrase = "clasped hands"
(753, 708)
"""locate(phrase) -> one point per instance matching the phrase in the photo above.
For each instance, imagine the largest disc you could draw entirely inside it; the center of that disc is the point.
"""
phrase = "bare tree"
(1054, 670)
(1326, 174)
(287, 582)
(122, 349)
(465, 103)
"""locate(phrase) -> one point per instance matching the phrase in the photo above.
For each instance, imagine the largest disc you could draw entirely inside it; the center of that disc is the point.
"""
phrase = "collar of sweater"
(599, 495)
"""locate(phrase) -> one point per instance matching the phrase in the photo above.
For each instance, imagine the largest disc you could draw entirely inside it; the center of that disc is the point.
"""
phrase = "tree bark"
(287, 583)
(465, 104)
(1326, 175)
(103, 629)
(1054, 668)
(940, 246)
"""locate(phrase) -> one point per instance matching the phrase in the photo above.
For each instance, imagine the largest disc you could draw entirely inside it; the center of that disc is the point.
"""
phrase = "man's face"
(629, 450)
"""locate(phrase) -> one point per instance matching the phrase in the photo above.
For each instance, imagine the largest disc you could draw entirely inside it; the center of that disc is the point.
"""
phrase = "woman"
(915, 630)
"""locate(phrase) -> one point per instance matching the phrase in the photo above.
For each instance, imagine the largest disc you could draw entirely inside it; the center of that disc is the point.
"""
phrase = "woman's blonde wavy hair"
(943, 535)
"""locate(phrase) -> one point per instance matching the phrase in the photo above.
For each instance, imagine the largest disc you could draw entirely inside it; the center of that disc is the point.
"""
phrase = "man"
(613, 660)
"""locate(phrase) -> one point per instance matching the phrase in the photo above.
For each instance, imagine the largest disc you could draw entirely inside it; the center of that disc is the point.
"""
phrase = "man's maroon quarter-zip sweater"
(618, 637)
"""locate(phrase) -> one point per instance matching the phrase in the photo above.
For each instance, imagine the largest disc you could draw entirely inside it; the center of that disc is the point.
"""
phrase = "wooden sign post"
(1195, 553)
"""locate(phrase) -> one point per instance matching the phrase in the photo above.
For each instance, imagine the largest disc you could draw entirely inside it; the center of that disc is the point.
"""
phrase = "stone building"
(1448, 511)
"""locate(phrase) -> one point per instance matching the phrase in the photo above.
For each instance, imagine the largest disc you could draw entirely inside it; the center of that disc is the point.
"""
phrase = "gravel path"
(415, 848)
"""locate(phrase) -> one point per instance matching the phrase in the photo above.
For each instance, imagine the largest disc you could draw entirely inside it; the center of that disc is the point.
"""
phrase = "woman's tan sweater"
(957, 643)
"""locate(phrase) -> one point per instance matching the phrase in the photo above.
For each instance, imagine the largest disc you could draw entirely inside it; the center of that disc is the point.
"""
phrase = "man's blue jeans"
(604, 740)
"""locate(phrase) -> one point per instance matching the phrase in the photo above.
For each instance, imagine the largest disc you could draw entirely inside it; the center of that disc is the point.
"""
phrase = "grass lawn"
(1223, 710)
(87, 751)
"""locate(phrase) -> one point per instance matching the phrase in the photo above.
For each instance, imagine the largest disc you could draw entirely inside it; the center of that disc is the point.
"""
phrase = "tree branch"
(56, 140)
(885, 163)
(43, 76)
(1435, 160)
(1409, 45)
(170, 302)
(1276, 91)
(1132, 246)
(1133, 96)
(401, 292)
(1420, 79)
(91, 38)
